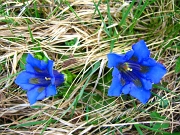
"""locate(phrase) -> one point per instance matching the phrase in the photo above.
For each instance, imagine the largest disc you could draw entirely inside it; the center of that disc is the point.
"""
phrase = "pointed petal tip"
(115, 88)
(31, 101)
(32, 95)
(114, 59)
(36, 62)
(51, 90)
(142, 95)
(50, 68)
(140, 50)
(156, 73)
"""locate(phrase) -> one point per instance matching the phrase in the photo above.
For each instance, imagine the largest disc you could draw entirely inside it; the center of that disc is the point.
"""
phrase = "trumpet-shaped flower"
(39, 79)
(134, 72)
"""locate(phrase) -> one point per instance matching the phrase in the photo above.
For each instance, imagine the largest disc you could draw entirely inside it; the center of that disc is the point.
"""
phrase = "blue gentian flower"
(134, 72)
(39, 79)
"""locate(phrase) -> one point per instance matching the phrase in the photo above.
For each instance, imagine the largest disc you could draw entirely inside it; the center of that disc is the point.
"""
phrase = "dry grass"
(80, 112)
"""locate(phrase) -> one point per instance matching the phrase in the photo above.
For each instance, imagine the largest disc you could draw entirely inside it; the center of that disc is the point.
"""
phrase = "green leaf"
(160, 125)
(23, 61)
(164, 103)
(63, 92)
(138, 129)
(69, 77)
(45, 58)
(71, 42)
(177, 67)
(30, 124)
(2, 65)
(177, 133)
(154, 115)
(41, 56)
(38, 56)
(152, 129)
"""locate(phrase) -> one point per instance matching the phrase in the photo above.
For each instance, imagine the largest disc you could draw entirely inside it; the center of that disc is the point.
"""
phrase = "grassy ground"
(77, 35)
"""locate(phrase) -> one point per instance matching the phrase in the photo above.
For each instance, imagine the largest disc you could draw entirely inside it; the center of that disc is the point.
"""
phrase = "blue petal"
(50, 71)
(27, 86)
(127, 88)
(155, 73)
(51, 90)
(30, 69)
(50, 68)
(140, 50)
(35, 70)
(148, 62)
(35, 62)
(116, 72)
(147, 84)
(23, 80)
(33, 94)
(115, 88)
(59, 78)
(42, 95)
(129, 54)
(140, 93)
(115, 59)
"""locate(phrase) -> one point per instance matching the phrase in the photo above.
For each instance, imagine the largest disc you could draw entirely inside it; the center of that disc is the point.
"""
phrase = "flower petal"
(42, 95)
(50, 71)
(129, 54)
(30, 69)
(148, 62)
(139, 93)
(51, 90)
(33, 94)
(147, 84)
(36, 70)
(155, 73)
(35, 62)
(27, 86)
(50, 68)
(28, 80)
(115, 88)
(127, 88)
(59, 78)
(116, 72)
(23, 80)
(140, 50)
(115, 59)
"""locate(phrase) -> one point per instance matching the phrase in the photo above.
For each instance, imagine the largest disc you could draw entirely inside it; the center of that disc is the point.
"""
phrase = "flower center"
(126, 67)
(131, 66)
(40, 81)
(47, 78)
(131, 73)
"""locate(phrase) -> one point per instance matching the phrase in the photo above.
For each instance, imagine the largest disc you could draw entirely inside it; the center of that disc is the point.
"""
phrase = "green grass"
(77, 36)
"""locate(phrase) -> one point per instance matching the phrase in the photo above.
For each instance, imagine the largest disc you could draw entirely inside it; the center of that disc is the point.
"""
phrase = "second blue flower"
(134, 72)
